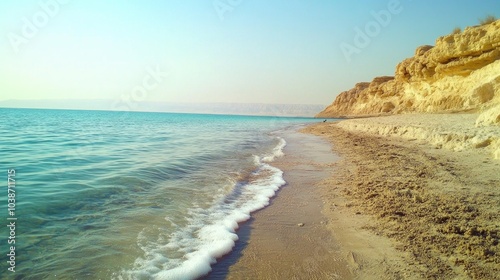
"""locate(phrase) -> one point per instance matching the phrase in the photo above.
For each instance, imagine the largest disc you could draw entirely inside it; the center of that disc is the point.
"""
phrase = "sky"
(232, 51)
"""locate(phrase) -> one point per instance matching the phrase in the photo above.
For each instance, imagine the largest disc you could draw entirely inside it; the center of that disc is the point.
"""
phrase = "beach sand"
(289, 239)
(394, 206)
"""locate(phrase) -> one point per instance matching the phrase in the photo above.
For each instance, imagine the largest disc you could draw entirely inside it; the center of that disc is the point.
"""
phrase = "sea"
(131, 195)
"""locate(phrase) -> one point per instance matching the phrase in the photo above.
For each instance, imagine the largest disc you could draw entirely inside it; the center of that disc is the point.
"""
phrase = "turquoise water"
(115, 195)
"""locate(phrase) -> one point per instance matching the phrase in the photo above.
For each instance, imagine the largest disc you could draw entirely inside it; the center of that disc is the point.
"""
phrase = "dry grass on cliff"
(487, 20)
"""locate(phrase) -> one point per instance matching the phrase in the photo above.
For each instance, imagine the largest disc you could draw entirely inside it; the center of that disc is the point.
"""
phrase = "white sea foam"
(211, 233)
(277, 151)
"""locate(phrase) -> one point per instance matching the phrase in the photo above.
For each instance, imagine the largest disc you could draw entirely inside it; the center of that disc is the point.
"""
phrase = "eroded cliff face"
(461, 73)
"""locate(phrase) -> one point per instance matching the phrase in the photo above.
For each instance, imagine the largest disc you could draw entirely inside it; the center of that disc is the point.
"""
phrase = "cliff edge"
(461, 73)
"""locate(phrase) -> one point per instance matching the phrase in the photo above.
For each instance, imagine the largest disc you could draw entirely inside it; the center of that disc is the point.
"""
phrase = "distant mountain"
(298, 110)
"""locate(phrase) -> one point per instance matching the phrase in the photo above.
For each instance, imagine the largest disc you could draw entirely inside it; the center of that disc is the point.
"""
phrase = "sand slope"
(456, 132)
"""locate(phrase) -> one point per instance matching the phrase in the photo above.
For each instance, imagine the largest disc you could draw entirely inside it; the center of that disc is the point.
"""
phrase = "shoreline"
(289, 239)
(393, 206)
(298, 237)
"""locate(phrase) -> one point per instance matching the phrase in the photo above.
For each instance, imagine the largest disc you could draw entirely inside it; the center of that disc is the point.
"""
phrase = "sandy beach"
(290, 239)
(394, 206)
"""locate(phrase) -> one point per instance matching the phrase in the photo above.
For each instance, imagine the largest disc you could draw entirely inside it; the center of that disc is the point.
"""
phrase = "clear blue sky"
(249, 51)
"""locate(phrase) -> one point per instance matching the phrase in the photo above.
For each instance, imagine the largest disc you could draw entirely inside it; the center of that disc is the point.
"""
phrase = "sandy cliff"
(460, 73)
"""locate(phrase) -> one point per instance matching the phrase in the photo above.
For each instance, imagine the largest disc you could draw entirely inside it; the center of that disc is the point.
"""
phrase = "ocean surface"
(129, 195)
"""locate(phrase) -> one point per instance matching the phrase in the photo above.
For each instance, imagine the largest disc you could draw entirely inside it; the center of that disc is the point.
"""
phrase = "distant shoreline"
(245, 109)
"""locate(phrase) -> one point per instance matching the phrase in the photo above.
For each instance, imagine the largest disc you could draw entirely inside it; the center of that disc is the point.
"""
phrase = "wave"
(210, 233)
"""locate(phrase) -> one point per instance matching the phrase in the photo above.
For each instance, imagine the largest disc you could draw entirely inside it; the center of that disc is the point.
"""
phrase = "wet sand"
(289, 239)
